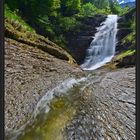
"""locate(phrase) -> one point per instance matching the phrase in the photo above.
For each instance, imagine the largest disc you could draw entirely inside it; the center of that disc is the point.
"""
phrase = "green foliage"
(88, 9)
(56, 29)
(128, 38)
(53, 7)
(70, 7)
(46, 25)
(54, 18)
(98, 3)
(123, 10)
(132, 36)
(116, 8)
(12, 4)
(67, 23)
(125, 53)
(133, 24)
(35, 7)
(60, 40)
(16, 19)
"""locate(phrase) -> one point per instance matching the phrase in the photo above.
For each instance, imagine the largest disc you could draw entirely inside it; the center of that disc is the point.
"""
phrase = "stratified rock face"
(78, 42)
(124, 29)
(108, 108)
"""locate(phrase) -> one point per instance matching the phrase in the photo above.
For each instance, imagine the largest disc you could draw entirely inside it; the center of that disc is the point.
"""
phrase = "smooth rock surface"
(29, 74)
(108, 109)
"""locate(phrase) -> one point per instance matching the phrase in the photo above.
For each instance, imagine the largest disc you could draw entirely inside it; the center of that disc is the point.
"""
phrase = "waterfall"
(102, 47)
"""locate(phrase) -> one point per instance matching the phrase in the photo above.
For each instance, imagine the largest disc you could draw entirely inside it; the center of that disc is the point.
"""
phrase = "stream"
(56, 109)
(98, 107)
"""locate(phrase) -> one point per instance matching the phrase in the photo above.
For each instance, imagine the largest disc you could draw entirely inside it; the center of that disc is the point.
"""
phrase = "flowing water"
(58, 107)
(52, 113)
(55, 111)
(102, 48)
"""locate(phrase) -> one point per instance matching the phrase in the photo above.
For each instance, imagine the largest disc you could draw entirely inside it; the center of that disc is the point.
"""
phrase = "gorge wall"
(78, 42)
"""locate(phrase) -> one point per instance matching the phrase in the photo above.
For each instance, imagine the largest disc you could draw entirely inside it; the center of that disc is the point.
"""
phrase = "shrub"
(88, 9)
(15, 19)
(67, 23)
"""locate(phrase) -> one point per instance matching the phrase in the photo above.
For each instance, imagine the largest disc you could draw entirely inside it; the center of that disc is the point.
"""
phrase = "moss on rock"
(35, 40)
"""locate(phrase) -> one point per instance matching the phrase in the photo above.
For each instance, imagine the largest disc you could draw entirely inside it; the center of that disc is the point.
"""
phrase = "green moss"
(51, 126)
(129, 38)
(16, 20)
(124, 54)
(55, 123)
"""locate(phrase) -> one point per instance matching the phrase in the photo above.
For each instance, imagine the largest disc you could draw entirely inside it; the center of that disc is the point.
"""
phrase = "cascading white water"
(102, 47)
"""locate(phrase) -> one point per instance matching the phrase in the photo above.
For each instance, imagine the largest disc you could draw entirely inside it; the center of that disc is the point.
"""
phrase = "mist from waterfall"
(102, 47)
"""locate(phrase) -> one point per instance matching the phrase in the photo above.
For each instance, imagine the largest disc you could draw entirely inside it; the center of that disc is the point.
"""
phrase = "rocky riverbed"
(29, 74)
(101, 108)
(107, 111)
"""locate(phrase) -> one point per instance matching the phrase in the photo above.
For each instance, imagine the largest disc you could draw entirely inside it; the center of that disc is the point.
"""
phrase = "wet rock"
(109, 111)
(28, 78)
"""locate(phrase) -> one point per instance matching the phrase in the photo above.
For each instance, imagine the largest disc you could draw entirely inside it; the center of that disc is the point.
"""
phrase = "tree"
(70, 7)
(88, 9)
(54, 7)
(115, 7)
(98, 3)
